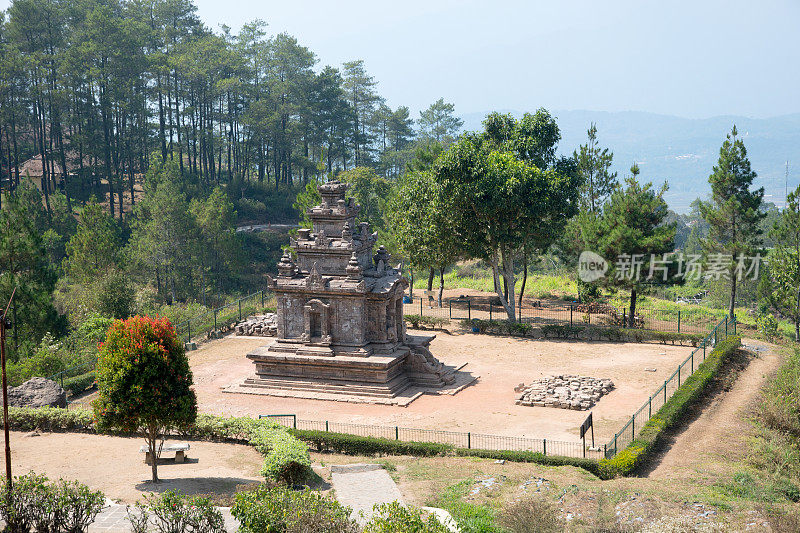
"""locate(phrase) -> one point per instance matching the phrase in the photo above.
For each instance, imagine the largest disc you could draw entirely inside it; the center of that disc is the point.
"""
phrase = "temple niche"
(340, 327)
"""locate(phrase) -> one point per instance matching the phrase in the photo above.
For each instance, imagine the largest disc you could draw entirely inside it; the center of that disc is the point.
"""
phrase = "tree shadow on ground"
(207, 486)
(719, 386)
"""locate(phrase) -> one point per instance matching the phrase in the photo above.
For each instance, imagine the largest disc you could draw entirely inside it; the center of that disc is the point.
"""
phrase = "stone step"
(391, 388)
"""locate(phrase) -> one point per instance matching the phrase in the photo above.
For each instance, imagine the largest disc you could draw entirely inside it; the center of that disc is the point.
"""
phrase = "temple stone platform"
(340, 332)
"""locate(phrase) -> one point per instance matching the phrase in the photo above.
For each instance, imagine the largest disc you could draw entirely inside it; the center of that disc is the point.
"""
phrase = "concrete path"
(362, 486)
(114, 519)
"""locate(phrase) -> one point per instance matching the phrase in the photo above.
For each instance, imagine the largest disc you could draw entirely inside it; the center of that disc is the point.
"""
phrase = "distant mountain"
(683, 151)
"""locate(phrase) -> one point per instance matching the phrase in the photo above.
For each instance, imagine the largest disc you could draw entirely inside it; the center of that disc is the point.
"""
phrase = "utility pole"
(5, 323)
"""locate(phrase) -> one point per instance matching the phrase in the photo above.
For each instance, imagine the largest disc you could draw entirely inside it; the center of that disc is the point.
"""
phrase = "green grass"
(470, 517)
(537, 286)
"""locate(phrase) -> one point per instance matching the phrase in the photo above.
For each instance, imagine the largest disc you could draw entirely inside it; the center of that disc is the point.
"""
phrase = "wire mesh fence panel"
(684, 370)
(224, 318)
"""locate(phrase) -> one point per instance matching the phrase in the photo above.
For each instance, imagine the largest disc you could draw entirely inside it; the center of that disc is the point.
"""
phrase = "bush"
(671, 413)
(395, 518)
(50, 419)
(499, 327)
(358, 445)
(173, 512)
(768, 326)
(282, 510)
(780, 407)
(78, 384)
(34, 504)
(590, 465)
(286, 458)
(531, 515)
(422, 322)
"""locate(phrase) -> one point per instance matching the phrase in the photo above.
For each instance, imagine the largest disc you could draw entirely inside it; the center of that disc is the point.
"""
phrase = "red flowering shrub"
(144, 381)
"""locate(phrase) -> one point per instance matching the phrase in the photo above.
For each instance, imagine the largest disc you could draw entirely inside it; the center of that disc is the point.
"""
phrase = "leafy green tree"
(219, 250)
(419, 217)
(734, 211)
(24, 265)
(439, 122)
(594, 167)
(780, 284)
(634, 238)
(144, 382)
(501, 199)
(95, 247)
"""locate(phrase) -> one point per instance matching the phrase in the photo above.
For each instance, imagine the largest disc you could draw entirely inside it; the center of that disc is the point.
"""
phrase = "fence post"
(215, 322)
(240, 309)
(624, 318)
(469, 440)
(650, 408)
(679, 320)
(692, 362)
(396, 433)
(570, 314)
(605, 451)
(189, 329)
(490, 311)
(615, 444)
(704, 349)
(665, 392)
(726, 327)
(326, 425)
(450, 303)
(544, 446)
(469, 310)
(633, 427)
(679, 375)
(420, 307)
(294, 421)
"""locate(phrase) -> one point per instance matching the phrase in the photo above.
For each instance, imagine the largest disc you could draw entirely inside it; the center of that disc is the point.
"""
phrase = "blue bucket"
(407, 300)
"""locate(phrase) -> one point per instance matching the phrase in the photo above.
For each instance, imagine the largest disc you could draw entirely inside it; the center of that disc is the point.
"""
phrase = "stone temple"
(340, 328)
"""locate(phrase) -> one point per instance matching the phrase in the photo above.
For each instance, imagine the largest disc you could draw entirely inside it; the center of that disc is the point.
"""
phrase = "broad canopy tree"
(144, 382)
(506, 186)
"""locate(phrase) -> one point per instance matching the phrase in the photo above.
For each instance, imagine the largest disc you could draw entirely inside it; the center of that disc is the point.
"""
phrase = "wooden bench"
(179, 448)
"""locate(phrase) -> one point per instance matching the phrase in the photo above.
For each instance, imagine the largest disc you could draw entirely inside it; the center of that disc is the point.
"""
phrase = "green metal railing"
(637, 421)
(222, 318)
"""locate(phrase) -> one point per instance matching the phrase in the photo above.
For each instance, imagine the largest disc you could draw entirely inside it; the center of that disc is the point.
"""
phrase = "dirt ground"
(487, 406)
(115, 466)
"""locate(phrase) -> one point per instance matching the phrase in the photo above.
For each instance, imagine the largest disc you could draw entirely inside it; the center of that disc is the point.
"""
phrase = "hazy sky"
(689, 58)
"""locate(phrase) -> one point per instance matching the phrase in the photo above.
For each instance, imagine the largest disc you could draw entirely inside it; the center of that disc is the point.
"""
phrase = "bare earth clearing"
(487, 406)
(115, 466)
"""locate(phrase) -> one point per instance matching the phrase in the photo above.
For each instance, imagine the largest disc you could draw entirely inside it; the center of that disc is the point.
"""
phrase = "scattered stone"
(258, 326)
(38, 392)
(649, 369)
(500, 462)
(564, 391)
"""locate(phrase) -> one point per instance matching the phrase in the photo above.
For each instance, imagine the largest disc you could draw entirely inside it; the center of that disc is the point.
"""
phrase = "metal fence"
(460, 439)
(73, 371)
(223, 318)
(637, 421)
(688, 320)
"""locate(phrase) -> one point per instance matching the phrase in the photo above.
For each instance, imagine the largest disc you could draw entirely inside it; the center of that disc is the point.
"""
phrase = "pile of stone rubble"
(564, 391)
(258, 326)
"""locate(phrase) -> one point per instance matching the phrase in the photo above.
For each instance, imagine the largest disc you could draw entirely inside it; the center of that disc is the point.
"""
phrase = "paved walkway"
(362, 486)
(114, 519)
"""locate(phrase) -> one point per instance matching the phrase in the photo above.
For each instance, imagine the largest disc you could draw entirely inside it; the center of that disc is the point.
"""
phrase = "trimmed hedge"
(418, 321)
(590, 465)
(671, 413)
(358, 445)
(78, 384)
(611, 333)
(50, 419)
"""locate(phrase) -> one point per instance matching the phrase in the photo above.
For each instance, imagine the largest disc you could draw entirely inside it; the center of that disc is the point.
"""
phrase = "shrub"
(422, 322)
(80, 383)
(628, 460)
(282, 510)
(358, 445)
(395, 518)
(531, 515)
(768, 326)
(34, 504)
(780, 408)
(590, 465)
(173, 512)
(50, 419)
(286, 458)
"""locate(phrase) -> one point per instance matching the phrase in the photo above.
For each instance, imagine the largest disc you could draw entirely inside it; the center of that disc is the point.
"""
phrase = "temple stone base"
(394, 374)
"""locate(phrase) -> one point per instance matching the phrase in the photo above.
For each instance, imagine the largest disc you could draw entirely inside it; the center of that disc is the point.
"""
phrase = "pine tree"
(734, 211)
(594, 164)
(24, 265)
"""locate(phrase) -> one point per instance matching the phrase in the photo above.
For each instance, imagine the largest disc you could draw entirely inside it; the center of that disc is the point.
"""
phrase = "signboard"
(586, 425)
